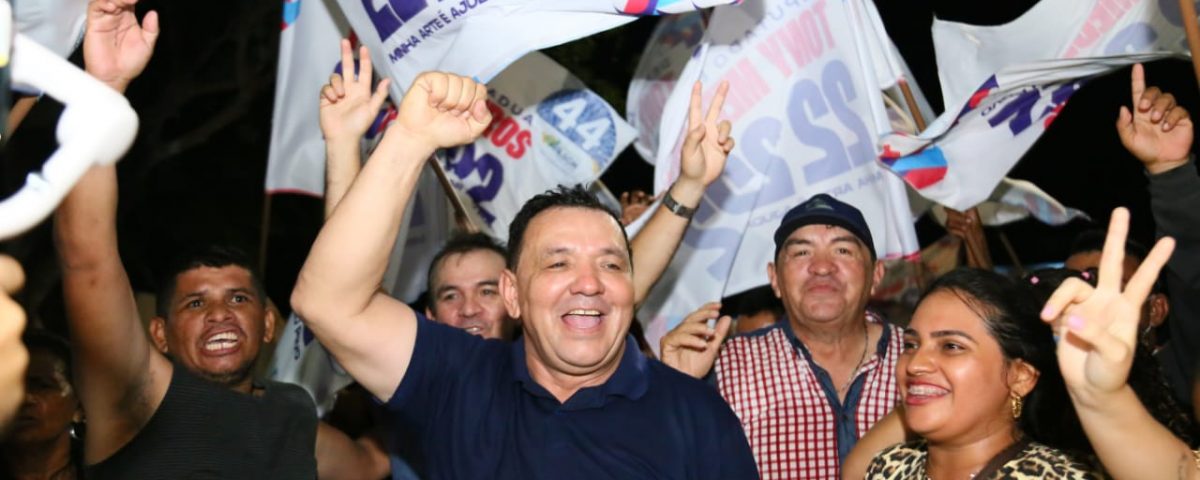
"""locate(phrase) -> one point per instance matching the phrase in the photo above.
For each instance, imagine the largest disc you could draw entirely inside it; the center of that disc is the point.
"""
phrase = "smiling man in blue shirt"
(574, 398)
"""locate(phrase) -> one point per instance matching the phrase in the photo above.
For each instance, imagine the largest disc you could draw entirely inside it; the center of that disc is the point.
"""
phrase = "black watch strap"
(674, 207)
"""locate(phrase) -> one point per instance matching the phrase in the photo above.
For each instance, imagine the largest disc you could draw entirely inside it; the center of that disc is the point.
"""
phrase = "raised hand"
(13, 356)
(115, 47)
(1098, 327)
(633, 204)
(347, 105)
(708, 143)
(442, 110)
(1158, 131)
(691, 347)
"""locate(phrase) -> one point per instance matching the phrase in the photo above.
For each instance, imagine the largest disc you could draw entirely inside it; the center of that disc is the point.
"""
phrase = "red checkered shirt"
(772, 387)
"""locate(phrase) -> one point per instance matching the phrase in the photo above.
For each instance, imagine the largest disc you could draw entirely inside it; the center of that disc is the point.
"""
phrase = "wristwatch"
(674, 207)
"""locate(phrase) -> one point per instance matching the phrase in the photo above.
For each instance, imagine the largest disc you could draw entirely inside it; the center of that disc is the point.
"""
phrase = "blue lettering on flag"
(491, 175)
(394, 13)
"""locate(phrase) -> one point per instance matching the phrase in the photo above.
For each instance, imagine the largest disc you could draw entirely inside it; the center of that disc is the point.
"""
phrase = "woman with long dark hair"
(980, 387)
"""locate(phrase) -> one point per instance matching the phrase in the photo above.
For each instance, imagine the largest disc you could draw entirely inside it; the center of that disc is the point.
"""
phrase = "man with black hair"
(826, 370)
(464, 287)
(574, 398)
(182, 405)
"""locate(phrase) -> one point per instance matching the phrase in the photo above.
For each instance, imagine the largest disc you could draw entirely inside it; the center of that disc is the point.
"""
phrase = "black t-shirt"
(203, 430)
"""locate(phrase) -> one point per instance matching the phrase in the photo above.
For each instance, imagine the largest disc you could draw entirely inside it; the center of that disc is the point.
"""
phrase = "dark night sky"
(213, 191)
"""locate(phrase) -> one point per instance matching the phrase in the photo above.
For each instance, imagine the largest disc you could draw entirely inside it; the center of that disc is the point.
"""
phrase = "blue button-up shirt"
(477, 413)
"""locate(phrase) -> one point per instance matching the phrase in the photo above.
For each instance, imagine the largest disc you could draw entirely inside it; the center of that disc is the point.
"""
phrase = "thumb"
(11, 275)
(722, 330)
(1125, 124)
(150, 28)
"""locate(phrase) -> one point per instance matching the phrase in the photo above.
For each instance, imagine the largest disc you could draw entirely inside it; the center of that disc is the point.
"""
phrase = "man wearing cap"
(806, 388)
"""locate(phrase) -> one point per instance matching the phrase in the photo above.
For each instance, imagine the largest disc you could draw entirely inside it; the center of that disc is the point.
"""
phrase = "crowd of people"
(526, 359)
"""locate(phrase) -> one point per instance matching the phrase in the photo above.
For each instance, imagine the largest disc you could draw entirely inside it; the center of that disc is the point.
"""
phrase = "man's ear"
(774, 280)
(877, 275)
(158, 334)
(270, 320)
(508, 290)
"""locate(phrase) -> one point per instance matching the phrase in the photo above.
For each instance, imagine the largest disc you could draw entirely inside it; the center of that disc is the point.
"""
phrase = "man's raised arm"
(701, 162)
(337, 293)
(119, 378)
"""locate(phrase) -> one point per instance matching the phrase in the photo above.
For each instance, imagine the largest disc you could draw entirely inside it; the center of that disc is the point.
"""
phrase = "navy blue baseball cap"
(823, 209)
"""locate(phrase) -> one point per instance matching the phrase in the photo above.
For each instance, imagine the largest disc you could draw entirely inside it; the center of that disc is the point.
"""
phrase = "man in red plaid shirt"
(807, 388)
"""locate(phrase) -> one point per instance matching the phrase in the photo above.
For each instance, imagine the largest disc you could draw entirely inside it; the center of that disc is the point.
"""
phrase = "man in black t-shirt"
(185, 405)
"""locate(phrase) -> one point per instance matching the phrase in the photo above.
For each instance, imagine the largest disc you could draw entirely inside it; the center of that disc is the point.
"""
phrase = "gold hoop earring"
(1017, 405)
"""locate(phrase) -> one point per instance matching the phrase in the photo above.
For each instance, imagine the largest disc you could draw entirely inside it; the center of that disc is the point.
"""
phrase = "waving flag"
(1008, 83)
(806, 103)
(309, 53)
(547, 129)
(479, 38)
(667, 52)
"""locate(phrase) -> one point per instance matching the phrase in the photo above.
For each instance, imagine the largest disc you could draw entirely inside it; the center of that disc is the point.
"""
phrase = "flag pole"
(460, 209)
(911, 101)
(1188, 10)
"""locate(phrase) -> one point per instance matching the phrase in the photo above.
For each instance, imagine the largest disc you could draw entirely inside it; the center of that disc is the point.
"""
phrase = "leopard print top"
(907, 462)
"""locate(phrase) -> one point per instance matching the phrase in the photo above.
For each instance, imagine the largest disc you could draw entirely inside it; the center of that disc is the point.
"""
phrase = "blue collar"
(630, 380)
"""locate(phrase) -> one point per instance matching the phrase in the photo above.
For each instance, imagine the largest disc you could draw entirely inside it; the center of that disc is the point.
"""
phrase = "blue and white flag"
(479, 38)
(806, 101)
(1005, 84)
(547, 129)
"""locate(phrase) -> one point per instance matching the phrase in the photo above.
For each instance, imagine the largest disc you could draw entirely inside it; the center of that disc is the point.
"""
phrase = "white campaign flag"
(479, 38)
(547, 129)
(667, 52)
(1004, 85)
(309, 52)
(963, 155)
(806, 104)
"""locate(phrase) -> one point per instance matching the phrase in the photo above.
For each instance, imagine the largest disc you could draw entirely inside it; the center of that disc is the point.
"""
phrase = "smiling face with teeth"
(573, 290)
(466, 294)
(824, 275)
(953, 376)
(215, 325)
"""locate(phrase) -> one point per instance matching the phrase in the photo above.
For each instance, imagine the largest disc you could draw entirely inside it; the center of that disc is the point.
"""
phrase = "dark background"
(195, 174)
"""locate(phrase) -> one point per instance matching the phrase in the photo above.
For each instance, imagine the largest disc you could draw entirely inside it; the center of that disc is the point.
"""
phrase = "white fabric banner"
(1004, 84)
(667, 52)
(308, 54)
(479, 38)
(806, 105)
(959, 160)
(967, 55)
(547, 129)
